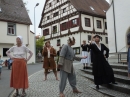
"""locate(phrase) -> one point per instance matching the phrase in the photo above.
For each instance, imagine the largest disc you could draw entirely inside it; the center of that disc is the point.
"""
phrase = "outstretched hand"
(85, 57)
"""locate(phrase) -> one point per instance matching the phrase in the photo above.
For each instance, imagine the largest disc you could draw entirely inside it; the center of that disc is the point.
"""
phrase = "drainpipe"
(114, 24)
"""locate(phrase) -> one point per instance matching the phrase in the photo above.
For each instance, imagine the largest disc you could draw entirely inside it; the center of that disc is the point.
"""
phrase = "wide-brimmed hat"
(97, 36)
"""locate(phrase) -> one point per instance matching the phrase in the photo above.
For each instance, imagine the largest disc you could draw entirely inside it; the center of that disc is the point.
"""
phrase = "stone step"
(122, 71)
(119, 66)
(119, 78)
(120, 87)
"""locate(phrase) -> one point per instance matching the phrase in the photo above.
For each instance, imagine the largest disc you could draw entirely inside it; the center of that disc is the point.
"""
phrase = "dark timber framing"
(67, 17)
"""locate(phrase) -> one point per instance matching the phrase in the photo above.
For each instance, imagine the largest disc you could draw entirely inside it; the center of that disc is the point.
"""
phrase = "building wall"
(31, 47)
(122, 17)
(93, 23)
(111, 32)
(7, 41)
(58, 27)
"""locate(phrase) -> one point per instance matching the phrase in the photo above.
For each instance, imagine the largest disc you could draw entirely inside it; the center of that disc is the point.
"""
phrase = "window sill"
(58, 44)
(11, 35)
(74, 26)
(46, 35)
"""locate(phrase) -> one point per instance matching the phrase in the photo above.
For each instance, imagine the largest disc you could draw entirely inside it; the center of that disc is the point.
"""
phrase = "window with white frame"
(99, 25)
(64, 10)
(11, 29)
(54, 29)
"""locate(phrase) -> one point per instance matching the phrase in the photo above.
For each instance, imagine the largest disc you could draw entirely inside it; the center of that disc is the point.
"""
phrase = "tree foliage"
(25, 4)
(39, 44)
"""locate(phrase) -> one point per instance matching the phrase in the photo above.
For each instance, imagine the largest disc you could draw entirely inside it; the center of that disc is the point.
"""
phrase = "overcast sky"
(38, 10)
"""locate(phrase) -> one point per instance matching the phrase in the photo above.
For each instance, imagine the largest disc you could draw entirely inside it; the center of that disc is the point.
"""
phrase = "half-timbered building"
(78, 18)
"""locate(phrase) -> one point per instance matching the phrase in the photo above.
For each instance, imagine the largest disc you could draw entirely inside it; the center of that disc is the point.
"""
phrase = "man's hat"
(97, 36)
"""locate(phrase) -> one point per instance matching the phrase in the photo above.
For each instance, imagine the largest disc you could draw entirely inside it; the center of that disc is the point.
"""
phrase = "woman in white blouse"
(19, 76)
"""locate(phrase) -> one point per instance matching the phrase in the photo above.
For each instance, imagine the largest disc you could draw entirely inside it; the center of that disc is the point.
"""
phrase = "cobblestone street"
(50, 88)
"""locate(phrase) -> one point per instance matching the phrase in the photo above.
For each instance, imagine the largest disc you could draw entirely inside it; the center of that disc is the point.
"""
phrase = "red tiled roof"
(99, 6)
(14, 11)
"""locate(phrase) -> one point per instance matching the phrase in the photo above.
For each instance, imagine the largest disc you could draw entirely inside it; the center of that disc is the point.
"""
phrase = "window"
(64, 10)
(58, 42)
(48, 17)
(57, 1)
(99, 24)
(87, 22)
(49, 4)
(45, 32)
(74, 22)
(89, 37)
(55, 14)
(11, 29)
(4, 51)
(54, 29)
(76, 50)
(64, 26)
(105, 25)
(106, 40)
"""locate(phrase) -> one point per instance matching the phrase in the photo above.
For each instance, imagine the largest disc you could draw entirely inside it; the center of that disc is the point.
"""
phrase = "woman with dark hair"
(85, 51)
(65, 64)
(102, 71)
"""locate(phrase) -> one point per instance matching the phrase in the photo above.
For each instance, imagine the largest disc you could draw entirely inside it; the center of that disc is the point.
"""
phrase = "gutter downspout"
(114, 25)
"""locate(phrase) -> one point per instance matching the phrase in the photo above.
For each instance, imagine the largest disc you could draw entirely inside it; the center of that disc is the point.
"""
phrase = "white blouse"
(99, 47)
(19, 52)
(48, 52)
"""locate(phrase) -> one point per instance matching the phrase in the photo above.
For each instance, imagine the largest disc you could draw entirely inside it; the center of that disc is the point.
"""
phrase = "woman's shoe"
(76, 91)
(97, 87)
(114, 83)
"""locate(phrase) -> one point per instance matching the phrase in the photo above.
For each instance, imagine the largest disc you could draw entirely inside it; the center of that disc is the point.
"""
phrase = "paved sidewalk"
(50, 88)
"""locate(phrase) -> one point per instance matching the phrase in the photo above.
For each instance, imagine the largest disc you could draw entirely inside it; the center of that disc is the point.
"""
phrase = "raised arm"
(79, 58)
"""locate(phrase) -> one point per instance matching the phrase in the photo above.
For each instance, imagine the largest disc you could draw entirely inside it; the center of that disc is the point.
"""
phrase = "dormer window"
(91, 7)
(104, 11)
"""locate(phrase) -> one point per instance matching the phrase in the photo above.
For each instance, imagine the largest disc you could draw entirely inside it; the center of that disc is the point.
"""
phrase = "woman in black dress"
(102, 71)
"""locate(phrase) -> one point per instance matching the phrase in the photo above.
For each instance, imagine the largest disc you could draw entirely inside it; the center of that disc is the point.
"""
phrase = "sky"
(38, 11)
